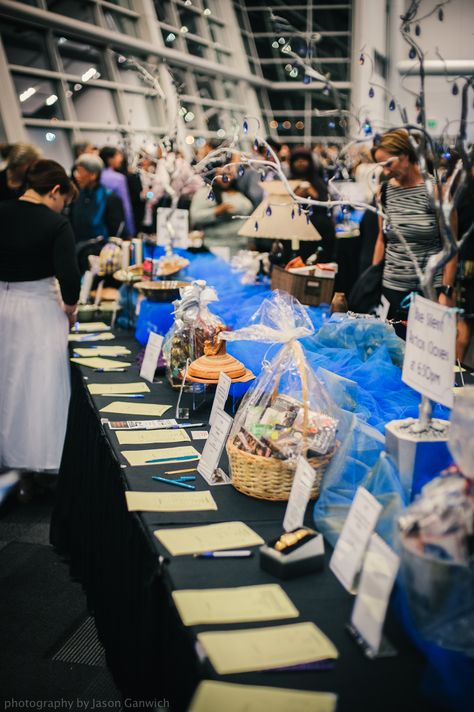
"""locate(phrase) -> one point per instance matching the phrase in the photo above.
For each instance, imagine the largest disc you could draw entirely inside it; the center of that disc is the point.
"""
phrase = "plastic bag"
(287, 412)
(194, 325)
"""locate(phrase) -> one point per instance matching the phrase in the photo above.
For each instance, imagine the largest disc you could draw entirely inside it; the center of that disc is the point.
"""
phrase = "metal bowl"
(160, 291)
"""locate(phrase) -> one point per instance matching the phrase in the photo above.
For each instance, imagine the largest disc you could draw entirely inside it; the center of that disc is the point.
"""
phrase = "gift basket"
(194, 325)
(286, 413)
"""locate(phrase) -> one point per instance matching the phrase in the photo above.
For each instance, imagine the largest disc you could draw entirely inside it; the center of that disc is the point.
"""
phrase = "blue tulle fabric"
(359, 362)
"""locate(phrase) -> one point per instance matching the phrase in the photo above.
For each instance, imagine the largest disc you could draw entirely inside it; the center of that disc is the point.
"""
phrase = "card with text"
(299, 495)
(152, 354)
(213, 448)
(220, 398)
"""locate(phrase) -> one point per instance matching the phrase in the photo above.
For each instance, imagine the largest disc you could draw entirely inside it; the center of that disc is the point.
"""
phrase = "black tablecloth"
(128, 576)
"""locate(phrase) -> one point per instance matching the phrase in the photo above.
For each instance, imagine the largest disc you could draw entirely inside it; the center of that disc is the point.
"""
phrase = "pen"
(188, 425)
(235, 554)
(178, 472)
(174, 482)
(123, 395)
(172, 459)
(109, 370)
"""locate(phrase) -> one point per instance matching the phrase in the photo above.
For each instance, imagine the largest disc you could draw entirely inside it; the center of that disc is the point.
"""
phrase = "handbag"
(367, 291)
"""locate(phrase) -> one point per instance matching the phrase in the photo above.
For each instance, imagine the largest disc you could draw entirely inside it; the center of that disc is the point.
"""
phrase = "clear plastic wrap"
(194, 325)
(287, 412)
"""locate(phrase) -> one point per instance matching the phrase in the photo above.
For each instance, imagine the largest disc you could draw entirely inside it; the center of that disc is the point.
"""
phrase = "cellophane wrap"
(287, 412)
(194, 324)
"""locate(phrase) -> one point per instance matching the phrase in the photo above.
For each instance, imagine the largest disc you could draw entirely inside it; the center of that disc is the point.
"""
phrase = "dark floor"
(48, 646)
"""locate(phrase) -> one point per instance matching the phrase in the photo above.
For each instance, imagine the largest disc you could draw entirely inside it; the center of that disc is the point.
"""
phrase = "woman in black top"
(36, 253)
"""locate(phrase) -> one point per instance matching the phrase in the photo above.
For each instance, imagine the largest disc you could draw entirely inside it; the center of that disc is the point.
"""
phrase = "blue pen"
(174, 482)
(122, 395)
(109, 370)
(172, 459)
(185, 479)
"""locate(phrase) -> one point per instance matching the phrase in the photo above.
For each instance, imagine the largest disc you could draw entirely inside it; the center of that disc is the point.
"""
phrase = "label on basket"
(299, 496)
(212, 452)
(376, 582)
(348, 555)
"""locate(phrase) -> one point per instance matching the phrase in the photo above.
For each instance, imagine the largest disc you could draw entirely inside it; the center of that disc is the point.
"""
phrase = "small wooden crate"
(309, 290)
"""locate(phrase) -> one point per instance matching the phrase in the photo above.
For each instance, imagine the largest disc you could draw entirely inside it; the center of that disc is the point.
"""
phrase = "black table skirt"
(128, 578)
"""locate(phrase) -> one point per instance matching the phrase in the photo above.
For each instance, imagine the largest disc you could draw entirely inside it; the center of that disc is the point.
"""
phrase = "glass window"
(217, 33)
(80, 59)
(73, 8)
(140, 111)
(25, 46)
(205, 87)
(196, 48)
(120, 23)
(121, 3)
(163, 11)
(333, 47)
(190, 20)
(53, 142)
(178, 76)
(38, 97)
(92, 104)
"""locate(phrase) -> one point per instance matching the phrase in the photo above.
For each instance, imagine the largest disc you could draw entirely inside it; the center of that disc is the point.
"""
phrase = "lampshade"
(279, 225)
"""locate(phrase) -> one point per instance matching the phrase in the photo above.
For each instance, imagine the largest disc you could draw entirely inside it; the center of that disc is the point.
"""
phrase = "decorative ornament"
(391, 106)
(441, 14)
(412, 53)
(255, 227)
(292, 213)
(417, 30)
(240, 171)
(331, 124)
(268, 211)
(371, 93)
(361, 58)
(245, 126)
(306, 79)
(367, 127)
(455, 89)
(211, 196)
(256, 144)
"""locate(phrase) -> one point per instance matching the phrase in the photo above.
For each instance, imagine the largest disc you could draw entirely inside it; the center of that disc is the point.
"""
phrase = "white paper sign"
(86, 287)
(376, 582)
(199, 434)
(430, 350)
(299, 495)
(348, 555)
(152, 354)
(140, 424)
(214, 445)
(383, 308)
(220, 397)
(177, 226)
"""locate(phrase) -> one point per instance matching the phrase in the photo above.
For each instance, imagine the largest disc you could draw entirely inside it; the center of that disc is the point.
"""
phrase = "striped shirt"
(410, 210)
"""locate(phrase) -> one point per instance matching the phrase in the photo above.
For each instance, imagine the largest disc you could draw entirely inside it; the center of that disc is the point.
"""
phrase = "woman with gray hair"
(20, 157)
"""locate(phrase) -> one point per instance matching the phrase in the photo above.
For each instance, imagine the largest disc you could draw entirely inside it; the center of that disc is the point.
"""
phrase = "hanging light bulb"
(417, 30)
(371, 93)
(455, 89)
(412, 53)
(245, 126)
(391, 106)
(441, 14)
(268, 211)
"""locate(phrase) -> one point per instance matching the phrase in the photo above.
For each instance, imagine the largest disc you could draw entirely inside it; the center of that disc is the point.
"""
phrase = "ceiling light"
(27, 94)
(184, 29)
(189, 116)
(50, 136)
(189, 140)
(207, 11)
(51, 100)
(221, 133)
(89, 74)
(171, 37)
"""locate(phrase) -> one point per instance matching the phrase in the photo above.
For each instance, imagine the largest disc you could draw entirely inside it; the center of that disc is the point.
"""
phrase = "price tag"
(376, 582)
(152, 354)
(173, 224)
(299, 495)
(220, 397)
(214, 445)
(348, 555)
(430, 350)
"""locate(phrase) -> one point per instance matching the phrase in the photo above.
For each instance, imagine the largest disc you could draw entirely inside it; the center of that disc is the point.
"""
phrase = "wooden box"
(309, 290)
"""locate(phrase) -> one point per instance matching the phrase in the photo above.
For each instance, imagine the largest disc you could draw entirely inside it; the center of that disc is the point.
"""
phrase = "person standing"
(409, 207)
(37, 253)
(112, 179)
(19, 157)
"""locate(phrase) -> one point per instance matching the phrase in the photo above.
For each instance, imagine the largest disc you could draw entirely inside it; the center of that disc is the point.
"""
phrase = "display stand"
(386, 649)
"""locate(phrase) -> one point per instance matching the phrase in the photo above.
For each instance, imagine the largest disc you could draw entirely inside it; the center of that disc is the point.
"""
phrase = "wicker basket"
(307, 289)
(267, 477)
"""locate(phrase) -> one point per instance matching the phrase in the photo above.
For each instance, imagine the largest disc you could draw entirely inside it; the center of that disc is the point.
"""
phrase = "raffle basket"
(270, 410)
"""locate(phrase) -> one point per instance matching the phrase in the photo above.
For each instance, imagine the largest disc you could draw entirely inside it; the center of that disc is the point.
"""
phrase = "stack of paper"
(102, 351)
(104, 336)
(97, 362)
(234, 651)
(91, 326)
(104, 388)
(170, 501)
(155, 409)
(213, 696)
(234, 605)
(167, 455)
(211, 537)
(147, 437)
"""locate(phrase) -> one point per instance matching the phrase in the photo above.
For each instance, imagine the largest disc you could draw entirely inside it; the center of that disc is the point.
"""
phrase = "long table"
(128, 576)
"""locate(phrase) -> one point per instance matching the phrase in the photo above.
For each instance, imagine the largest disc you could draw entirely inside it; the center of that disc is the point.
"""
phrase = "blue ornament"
(211, 196)
(240, 171)
(391, 106)
(149, 195)
(245, 126)
(417, 30)
(306, 79)
(441, 14)
(361, 58)
(268, 211)
(455, 89)
(412, 53)
(292, 213)
(331, 124)
(371, 93)
(367, 127)
(299, 209)
(310, 211)
(446, 155)
(256, 144)
(255, 227)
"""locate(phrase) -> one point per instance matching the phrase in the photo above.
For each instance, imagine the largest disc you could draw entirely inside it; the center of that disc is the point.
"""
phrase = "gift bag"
(194, 325)
(286, 413)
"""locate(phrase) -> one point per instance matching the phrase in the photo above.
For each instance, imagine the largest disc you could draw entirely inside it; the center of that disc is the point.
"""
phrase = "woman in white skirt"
(39, 289)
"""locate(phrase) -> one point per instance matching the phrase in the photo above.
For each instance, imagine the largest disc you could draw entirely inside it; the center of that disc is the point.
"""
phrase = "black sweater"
(36, 243)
